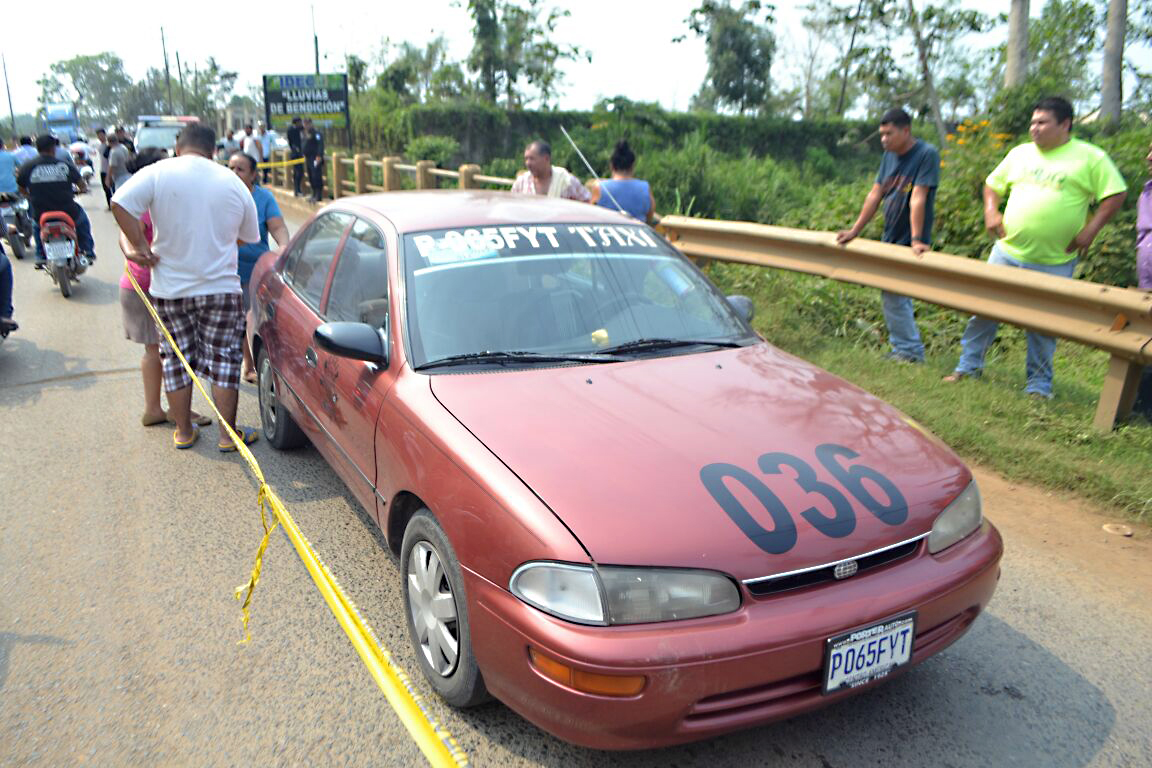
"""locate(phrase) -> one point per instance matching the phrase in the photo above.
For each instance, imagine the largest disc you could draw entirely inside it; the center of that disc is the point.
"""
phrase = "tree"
(514, 45)
(96, 83)
(926, 71)
(1112, 73)
(739, 48)
(485, 58)
(1016, 68)
(1061, 44)
(357, 72)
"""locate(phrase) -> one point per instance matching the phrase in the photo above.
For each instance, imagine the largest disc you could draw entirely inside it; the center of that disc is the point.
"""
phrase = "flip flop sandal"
(248, 435)
(201, 419)
(190, 442)
(251, 377)
(147, 422)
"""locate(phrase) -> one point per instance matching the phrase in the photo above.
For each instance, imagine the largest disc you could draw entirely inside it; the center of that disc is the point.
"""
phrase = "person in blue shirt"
(624, 192)
(906, 186)
(9, 165)
(271, 222)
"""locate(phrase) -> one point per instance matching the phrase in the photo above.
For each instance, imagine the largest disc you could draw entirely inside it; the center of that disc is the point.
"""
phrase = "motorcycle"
(65, 262)
(17, 224)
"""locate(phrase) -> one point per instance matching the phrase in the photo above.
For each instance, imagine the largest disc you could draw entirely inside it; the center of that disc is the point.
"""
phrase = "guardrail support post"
(467, 172)
(338, 173)
(1119, 393)
(424, 179)
(391, 181)
(360, 172)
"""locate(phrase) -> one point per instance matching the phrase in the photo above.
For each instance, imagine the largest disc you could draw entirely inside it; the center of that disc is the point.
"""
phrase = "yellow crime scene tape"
(434, 740)
(279, 163)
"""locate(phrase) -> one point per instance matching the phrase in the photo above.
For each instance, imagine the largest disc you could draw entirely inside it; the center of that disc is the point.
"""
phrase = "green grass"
(990, 422)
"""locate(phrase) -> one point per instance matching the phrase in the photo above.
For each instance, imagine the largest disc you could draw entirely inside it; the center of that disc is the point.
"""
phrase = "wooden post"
(360, 172)
(338, 173)
(390, 181)
(1119, 393)
(467, 172)
(424, 179)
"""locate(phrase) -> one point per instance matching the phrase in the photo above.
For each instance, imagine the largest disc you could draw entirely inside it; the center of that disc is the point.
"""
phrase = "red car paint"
(603, 464)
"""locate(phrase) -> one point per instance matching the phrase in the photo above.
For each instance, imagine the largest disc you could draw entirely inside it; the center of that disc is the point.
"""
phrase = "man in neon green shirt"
(1051, 183)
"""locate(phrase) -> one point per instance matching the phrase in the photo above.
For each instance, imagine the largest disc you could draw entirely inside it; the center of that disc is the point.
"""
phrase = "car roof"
(422, 210)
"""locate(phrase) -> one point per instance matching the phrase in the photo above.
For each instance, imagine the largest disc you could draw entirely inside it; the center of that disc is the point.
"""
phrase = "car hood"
(711, 460)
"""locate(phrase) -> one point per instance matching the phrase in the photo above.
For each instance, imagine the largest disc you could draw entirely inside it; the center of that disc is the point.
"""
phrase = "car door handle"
(310, 357)
(270, 310)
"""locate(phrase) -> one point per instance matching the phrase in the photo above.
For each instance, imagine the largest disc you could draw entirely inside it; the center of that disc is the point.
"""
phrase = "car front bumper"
(707, 677)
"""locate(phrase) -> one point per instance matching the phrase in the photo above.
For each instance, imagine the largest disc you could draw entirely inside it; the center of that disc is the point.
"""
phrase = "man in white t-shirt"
(265, 145)
(199, 210)
(251, 145)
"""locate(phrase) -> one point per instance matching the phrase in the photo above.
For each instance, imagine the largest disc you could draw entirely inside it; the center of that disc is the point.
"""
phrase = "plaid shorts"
(209, 331)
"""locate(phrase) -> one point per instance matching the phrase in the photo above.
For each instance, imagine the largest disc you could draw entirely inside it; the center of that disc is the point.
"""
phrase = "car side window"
(360, 286)
(307, 264)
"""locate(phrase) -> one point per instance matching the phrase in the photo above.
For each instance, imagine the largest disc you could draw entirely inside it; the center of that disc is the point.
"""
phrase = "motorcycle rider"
(48, 182)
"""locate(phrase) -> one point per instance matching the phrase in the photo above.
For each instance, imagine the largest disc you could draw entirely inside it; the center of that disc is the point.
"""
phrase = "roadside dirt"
(1072, 530)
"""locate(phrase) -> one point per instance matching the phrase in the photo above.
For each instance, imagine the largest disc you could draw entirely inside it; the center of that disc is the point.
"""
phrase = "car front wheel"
(279, 428)
(437, 613)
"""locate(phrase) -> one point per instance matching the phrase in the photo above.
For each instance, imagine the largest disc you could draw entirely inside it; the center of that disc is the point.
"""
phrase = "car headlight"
(960, 519)
(619, 595)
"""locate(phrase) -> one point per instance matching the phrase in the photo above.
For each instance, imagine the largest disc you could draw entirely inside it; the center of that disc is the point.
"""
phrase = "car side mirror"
(357, 341)
(743, 306)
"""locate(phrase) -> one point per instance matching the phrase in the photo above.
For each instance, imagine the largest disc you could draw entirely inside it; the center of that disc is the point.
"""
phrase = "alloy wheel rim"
(433, 610)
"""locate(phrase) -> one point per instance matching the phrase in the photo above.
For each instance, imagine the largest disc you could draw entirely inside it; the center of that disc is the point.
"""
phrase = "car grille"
(783, 697)
(823, 574)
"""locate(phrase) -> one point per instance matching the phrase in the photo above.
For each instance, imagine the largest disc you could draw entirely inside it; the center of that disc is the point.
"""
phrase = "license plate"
(59, 251)
(863, 655)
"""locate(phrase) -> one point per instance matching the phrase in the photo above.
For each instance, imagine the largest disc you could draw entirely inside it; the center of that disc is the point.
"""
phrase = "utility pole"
(315, 40)
(167, 74)
(183, 93)
(7, 88)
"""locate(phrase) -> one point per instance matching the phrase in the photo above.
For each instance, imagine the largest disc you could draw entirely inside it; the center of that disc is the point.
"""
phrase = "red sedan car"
(617, 508)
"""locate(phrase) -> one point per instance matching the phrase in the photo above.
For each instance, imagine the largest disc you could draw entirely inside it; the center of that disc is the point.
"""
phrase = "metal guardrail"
(1116, 320)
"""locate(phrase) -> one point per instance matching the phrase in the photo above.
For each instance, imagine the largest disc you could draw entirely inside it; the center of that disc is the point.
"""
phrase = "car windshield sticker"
(455, 246)
(860, 481)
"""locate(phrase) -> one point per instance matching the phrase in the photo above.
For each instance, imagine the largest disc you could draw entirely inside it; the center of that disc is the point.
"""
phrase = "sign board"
(324, 98)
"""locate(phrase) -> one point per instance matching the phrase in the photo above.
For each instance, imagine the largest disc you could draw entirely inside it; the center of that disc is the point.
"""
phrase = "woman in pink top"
(138, 323)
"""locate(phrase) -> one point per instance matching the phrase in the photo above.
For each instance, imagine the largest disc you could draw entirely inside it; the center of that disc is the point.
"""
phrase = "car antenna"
(592, 171)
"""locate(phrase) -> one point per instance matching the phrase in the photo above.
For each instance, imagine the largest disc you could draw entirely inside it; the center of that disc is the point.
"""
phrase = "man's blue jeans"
(903, 334)
(981, 332)
(83, 235)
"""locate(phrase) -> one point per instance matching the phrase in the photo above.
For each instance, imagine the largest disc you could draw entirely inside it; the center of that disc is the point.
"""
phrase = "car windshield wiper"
(516, 356)
(645, 345)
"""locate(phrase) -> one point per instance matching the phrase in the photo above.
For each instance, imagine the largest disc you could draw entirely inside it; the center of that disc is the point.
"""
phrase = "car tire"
(278, 426)
(437, 613)
(17, 246)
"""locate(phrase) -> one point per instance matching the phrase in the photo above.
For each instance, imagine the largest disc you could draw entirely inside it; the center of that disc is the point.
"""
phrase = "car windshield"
(558, 290)
(162, 136)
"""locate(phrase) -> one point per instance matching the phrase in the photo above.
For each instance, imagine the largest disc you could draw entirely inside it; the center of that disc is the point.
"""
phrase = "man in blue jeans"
(906, 186)
(1051, 182)
(48, 183)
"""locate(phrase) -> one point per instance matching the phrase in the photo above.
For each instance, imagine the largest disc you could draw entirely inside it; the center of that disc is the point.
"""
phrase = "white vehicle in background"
(160, 130)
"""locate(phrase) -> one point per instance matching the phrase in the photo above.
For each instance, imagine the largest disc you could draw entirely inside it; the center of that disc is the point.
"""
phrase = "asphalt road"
(118, 627)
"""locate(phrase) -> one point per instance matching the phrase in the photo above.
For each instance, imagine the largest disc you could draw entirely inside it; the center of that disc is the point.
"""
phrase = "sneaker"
(1039, 396)
(956, 376)
(7, 325)
(898, 357)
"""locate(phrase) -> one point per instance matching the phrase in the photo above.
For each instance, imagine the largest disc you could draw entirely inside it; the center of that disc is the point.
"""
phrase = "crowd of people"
(194, 226)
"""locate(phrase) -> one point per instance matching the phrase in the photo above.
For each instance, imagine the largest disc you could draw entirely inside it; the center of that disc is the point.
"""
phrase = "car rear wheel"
(437, 613)
(279, 428)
